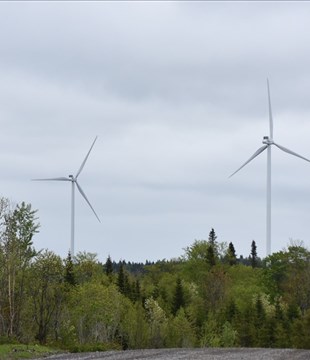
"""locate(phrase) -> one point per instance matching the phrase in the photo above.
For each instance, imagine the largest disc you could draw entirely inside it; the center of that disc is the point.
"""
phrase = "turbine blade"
(257, 152)
(85, 197)
(290, 152)
(53, 179)
(270, 113)
(83, 163)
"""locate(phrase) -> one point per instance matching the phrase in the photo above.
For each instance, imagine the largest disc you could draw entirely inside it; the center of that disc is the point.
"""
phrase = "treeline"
(206, 298)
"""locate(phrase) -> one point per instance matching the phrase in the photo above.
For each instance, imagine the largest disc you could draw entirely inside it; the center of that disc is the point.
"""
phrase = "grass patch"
(20, 351)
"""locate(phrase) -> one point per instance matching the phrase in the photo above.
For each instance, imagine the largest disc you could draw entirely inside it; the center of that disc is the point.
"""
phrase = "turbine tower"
(74, 182)
(268, 142)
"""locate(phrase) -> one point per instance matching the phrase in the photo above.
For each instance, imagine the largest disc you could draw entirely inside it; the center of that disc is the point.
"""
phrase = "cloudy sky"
(176, 93)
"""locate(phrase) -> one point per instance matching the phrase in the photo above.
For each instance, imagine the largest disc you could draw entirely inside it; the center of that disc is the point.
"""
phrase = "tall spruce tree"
(178, 297)
(211, 259)
(231, 254)
(253, 255)
(121, 281)
(212, 250)
(212, 238)
(109, 266)
(69, 270)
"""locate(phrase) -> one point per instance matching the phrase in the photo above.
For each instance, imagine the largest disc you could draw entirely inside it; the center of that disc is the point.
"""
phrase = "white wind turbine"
(74, 183)
(268, 141)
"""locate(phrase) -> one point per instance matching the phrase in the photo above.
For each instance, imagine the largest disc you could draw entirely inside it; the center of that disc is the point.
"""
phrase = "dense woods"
(209, 297)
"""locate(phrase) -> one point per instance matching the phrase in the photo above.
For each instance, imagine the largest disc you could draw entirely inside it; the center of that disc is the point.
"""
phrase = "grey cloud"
(177, 94)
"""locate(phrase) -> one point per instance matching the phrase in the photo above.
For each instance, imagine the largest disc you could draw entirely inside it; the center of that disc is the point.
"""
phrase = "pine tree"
(109, 266)
(231, 254)
(178, 298)
(231, 310)
(212, 248)
(136, 291)
(279, 314)
(211, 256)
(69, 270)
(253, 255)
(212, 238)
(121, 281)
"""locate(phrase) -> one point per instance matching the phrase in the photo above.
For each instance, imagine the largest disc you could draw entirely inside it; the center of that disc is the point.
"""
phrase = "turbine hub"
(267, 140)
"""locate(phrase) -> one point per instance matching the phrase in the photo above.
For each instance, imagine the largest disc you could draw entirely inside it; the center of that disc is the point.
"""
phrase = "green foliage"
(230, 256)
(109, 266)
(211, 332)
(214, 288)
(287, 275)
(208, 297)
(196, 260)
(20, 351)
(301, 332)
(245, 284)
(178, 300)
(122, 281)
(46, 293)
(87, 267)
(69, 271)
(180, 331)
(158, 323)
(228, 335)
(16, 253)
(212, 238)
(136, 328)
(211, 259)
(253, 256)
(98, 313)
(212, 251)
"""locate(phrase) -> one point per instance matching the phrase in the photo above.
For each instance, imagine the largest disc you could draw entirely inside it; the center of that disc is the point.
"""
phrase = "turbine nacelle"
(267, 140)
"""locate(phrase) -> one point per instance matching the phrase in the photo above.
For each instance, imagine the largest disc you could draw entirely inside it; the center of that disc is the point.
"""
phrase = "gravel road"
(193, 354)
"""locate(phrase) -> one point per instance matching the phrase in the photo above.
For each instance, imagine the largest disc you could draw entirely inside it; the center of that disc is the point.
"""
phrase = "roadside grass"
(19, 351)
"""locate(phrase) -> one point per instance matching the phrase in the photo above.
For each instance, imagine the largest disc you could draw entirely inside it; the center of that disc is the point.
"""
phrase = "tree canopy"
(207, 297)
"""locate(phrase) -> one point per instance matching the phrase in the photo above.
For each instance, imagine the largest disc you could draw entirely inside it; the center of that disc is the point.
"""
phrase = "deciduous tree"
(20, 225)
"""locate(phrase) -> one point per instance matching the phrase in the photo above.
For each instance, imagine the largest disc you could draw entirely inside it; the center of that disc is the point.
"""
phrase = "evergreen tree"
(231, 254)
(212, 248)
(212, 238)
(253, 255)
(109, 266)
(136, 291)
(279, 314)
(69, 270)
(260, 311)
(178, 297)
(127, 287)
(121, 281)
(231, 311)
(211, 256)
(245, 326)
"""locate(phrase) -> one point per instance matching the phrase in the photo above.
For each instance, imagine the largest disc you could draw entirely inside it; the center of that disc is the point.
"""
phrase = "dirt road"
(192, 354)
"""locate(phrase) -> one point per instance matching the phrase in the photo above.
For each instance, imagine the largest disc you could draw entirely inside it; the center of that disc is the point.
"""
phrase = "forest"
(208, 297)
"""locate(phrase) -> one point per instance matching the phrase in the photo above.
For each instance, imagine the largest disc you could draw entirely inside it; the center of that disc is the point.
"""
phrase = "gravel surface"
(194, 354)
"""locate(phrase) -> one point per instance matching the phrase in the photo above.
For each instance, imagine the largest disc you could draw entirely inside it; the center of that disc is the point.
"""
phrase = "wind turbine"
(268, 142)
(74, 182)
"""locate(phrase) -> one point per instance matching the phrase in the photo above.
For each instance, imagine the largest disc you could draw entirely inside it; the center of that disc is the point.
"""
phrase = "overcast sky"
(176, 92)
